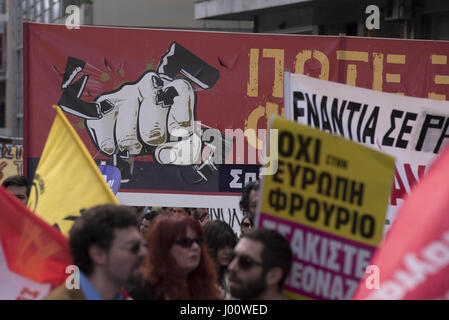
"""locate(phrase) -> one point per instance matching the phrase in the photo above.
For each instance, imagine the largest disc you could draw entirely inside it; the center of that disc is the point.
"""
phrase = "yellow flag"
(67, 179)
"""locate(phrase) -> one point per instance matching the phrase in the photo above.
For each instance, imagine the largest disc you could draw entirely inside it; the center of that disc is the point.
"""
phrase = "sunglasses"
(134, 247)
(244, 262)
(187, 243)
(247, 224)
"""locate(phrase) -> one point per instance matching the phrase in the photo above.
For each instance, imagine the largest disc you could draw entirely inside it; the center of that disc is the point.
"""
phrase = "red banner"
(413, 261)
(33, 255)
(135, 97)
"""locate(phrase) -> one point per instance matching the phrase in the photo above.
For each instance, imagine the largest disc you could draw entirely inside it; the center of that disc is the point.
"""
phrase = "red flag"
(413, 260)
(33, 255)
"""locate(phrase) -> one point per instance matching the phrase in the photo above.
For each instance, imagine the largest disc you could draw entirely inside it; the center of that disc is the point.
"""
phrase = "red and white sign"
(412, 130)
(131, 93)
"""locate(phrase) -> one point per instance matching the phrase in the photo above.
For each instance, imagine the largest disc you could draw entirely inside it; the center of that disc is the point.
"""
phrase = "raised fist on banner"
(155, 114)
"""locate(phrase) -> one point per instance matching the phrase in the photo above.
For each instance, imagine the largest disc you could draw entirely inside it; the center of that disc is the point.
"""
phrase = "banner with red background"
(230, 82)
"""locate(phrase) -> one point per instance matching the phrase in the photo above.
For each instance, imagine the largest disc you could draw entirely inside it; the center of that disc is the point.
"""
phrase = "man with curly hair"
(108, 248)
(250, 197)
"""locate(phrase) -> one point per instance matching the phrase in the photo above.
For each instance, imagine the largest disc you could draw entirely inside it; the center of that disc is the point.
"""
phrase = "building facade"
(169, 14)
(173, 14)
(408, 19)
(13, 13)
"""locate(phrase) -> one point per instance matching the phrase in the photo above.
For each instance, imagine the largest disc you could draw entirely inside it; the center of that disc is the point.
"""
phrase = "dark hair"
(276, 250)
(18, 181)
(244, 200)
(186, 210)
(218, 235)
(150, 216)
(195, 214)
(247, 216)
(159, 267)
(96, 227)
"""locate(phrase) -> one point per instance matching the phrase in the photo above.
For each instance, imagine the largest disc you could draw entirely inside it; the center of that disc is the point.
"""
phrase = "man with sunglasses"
(246, 225)
(108, 248)
(259, 266)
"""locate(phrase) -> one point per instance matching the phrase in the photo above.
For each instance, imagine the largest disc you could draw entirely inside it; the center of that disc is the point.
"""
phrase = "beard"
(122, 277)
(249, 289)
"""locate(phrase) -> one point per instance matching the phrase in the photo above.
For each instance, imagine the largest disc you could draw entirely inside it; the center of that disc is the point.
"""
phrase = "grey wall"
(157, 13)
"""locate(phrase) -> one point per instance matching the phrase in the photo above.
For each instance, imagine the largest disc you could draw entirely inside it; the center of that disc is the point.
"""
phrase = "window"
(56, 10)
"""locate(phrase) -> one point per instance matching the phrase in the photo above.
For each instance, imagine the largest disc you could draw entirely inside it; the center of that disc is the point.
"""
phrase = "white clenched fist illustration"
(153, 115)
(159, 111)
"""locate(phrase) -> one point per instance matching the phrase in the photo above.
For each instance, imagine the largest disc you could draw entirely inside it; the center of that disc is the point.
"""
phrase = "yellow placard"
(328, 183)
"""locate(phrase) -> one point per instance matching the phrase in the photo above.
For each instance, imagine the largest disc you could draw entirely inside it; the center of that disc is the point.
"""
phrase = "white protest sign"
(413, 130)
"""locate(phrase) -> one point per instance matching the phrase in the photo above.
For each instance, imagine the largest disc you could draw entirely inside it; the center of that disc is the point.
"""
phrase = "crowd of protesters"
(171, 253)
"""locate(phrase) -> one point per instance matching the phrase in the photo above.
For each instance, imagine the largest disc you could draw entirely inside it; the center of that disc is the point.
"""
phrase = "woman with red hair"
(177, 265)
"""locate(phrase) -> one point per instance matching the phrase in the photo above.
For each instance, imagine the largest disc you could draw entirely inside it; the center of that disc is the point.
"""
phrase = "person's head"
(201, 214)
(261, 263)
(180, 210)
(246, 225)
(139, 209)
(221, 240)
(165, 211)
(18, 186)
(105, 240)
(178, 254)
(249, 199)
(139, 212)
(146, 221)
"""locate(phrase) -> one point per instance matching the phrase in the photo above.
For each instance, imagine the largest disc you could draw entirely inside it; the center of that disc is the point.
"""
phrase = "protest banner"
(11, 159)
(122, 89)
(67, 180)
(412, 130)
(33, 255)
(328, 198)
(413, 261)
(231, 215)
